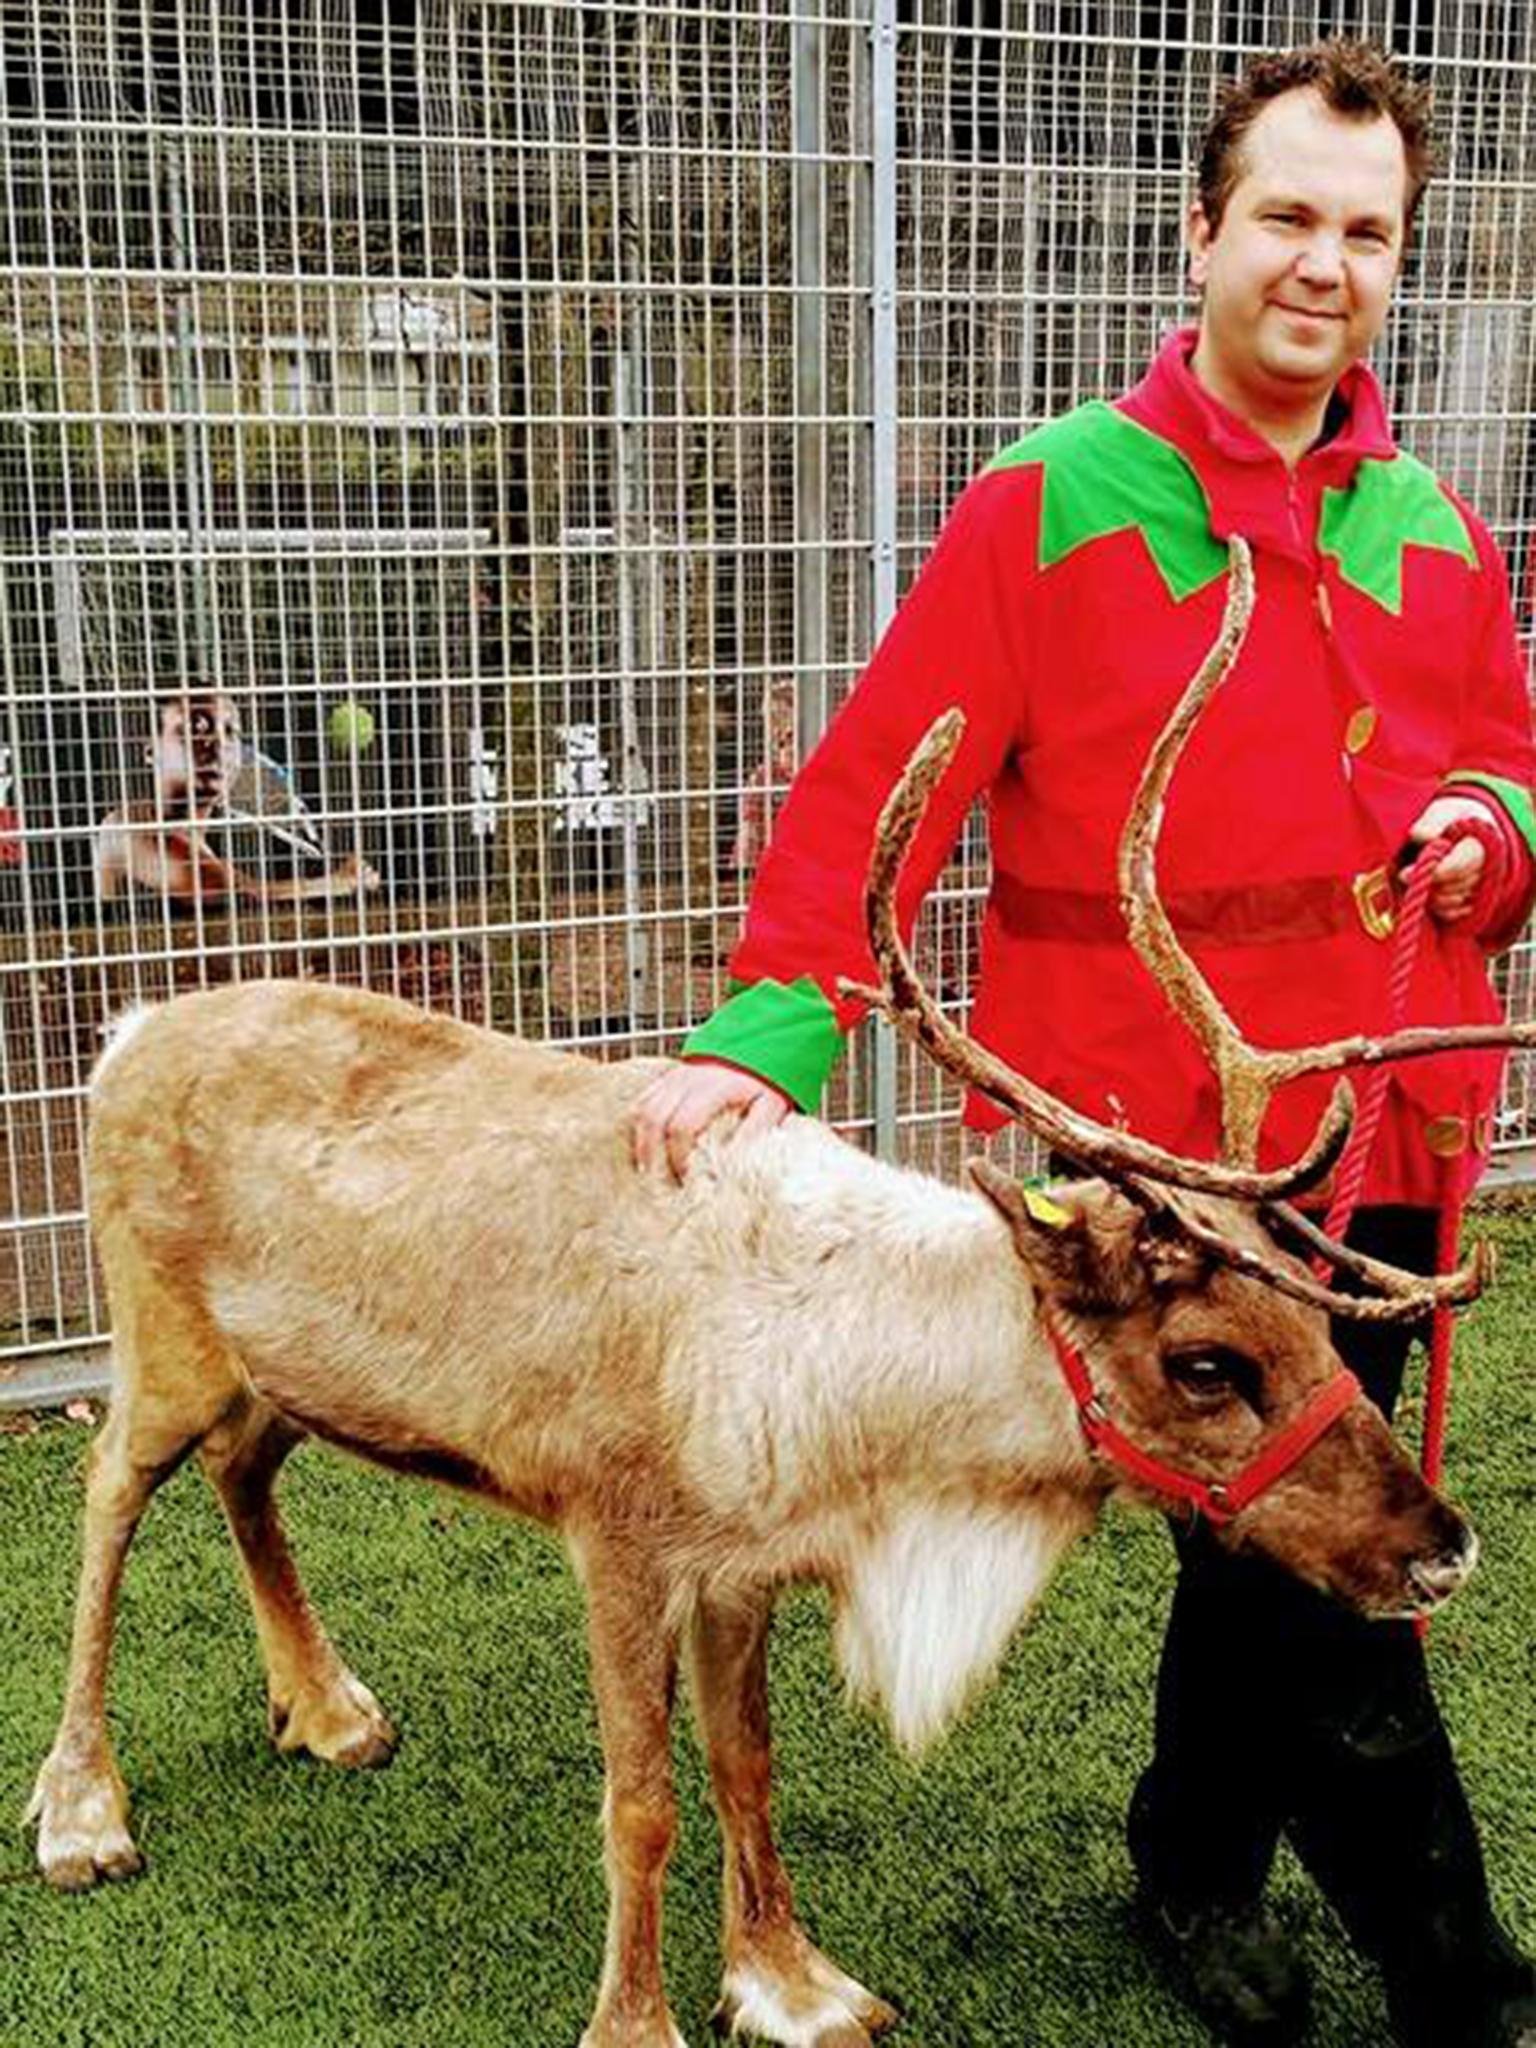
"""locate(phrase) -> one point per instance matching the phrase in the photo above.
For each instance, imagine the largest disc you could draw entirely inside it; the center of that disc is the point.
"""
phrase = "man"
(1379, 703)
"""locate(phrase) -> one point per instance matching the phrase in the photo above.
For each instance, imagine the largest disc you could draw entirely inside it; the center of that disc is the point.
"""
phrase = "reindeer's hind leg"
(314, 1701)
(79, 1802)
(778, 1987)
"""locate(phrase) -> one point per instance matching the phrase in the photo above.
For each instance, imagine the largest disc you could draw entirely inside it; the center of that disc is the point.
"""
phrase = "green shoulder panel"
(1389, 506)
(1105, 474)
(1514, 797)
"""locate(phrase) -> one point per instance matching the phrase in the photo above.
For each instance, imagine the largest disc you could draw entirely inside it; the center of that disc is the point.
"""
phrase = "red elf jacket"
(1070, 597)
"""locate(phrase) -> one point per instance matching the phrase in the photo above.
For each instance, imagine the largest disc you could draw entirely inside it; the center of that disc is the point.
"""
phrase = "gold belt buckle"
(1373, 900)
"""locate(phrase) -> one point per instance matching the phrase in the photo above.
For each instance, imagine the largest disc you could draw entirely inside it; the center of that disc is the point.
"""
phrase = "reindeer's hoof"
(731, 2021)
(607, 2031)
(82, 1829)
(77, 1868)
(343, 1725)
(369, 1751)
(798, 1999)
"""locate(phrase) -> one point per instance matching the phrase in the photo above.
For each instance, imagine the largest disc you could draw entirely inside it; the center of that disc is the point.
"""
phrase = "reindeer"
(323, 1213)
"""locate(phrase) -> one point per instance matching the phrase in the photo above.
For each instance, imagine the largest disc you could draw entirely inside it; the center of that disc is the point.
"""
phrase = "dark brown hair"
(1354, 78)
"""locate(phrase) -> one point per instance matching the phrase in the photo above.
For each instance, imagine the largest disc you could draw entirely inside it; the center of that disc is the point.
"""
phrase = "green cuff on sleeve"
(786, 1032)
(1512, 796)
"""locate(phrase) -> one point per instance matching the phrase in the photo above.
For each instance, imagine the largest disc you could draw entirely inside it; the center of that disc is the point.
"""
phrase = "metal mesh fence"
(454, 454)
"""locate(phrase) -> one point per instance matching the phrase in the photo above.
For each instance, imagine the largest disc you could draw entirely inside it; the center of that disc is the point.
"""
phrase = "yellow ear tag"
(1044, 1210)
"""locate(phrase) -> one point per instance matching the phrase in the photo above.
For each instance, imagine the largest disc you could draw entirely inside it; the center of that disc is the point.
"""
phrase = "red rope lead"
(1352, 1167)
(1350, 1179)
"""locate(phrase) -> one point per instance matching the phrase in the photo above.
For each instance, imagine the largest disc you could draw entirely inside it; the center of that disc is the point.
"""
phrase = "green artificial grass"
(456, 1899)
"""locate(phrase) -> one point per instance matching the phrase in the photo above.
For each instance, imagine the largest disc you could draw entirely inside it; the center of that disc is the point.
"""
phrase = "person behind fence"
(1379, 703)
(174, 843)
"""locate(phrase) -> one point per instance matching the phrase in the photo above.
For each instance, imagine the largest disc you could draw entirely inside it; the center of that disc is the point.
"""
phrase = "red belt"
(1261, 914)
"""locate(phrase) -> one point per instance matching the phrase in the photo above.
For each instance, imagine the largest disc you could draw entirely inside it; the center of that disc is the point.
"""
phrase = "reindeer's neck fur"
(871, 1397)
(866, 1306)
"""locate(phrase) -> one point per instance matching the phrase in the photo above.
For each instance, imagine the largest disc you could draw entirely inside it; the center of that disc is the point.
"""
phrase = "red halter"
(1217, 1500)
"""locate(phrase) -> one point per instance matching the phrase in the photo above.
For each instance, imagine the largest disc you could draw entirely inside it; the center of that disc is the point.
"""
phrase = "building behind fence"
(454, 454)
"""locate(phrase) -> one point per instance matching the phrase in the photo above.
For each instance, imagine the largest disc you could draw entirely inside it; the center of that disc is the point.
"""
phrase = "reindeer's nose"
(1436, 1578)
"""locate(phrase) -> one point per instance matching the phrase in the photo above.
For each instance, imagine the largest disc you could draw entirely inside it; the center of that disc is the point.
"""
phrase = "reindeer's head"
(1202, 1368)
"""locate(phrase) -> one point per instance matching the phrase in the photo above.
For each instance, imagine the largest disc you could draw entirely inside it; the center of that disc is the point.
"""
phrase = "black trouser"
(1279, 1710)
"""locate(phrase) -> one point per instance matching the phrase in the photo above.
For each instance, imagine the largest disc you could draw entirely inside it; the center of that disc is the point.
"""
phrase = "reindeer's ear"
(1080, 1244)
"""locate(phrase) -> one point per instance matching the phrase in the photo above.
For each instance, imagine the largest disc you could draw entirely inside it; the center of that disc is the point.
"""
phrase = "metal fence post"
(883, 401)
(810, 487)
(184, 378)
(631, 407)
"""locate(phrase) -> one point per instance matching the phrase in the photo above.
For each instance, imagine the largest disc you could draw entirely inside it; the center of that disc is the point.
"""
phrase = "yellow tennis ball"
(350, 728)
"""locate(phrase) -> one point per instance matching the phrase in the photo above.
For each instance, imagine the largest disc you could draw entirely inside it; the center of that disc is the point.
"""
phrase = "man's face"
(1298, 277)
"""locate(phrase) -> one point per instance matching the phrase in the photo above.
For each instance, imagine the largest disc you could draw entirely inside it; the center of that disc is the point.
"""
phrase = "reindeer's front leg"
(777, 1987)
(634, 1672)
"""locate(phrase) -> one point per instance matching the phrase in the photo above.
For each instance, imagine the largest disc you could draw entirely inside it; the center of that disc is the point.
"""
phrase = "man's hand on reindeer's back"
(680, 1105)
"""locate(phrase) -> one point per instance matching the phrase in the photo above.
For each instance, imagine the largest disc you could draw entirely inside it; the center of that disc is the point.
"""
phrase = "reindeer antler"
(1239, 1071)
(1247, 1076)
(1465, 1284)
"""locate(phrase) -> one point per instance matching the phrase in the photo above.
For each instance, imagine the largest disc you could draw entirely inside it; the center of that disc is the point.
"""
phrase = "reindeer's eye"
(1211, 1374)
